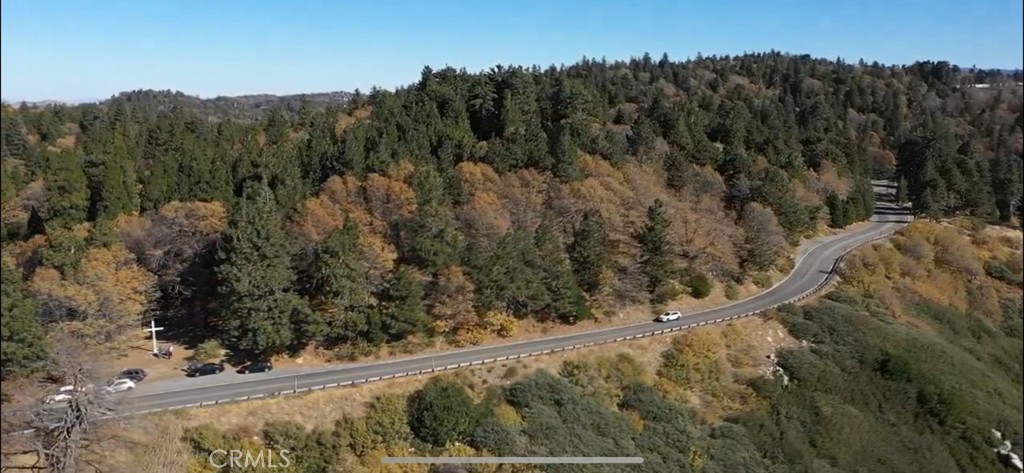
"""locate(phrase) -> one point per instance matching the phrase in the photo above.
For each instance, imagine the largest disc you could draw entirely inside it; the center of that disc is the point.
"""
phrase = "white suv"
(119, 385)
(670, 316)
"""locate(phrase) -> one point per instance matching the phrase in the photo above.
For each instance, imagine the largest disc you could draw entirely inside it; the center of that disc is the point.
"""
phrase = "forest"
(466, 202)
(908, 366)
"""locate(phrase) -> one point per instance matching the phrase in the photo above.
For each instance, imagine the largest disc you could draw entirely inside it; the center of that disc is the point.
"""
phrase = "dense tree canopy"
(340, 220)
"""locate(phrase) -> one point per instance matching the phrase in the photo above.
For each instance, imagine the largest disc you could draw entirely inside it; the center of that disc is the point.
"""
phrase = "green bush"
(700, 285)
(353, 351)
(442, 412)
(997, 270)
(207, 351)
(732, 291)
(666, 292)
(763, 280)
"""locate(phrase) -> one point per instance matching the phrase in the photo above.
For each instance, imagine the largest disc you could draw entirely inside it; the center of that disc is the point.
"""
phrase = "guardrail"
(828, 280)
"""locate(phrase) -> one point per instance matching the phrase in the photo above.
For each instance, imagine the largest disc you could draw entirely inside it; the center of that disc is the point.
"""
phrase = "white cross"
(153, 329)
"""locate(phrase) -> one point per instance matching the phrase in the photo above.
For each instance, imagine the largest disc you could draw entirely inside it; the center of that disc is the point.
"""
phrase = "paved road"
(815, 261)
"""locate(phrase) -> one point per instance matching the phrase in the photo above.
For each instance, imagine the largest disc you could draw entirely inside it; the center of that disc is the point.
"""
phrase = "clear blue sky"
(74, 49)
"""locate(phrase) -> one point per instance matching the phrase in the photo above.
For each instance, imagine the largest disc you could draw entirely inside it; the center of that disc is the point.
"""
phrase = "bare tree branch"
(60, 432)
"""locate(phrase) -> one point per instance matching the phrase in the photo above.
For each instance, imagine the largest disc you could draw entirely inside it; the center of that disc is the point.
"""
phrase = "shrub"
(207, 351)
(442, 412)
(999, 271)
(666, 292)
(732, 291)
(501, 323)
(700, 285)
(353, 351)
(510, 373)
(763, 280)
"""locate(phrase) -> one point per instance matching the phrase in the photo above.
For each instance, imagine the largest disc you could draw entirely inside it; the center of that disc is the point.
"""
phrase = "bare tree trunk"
(57, 434)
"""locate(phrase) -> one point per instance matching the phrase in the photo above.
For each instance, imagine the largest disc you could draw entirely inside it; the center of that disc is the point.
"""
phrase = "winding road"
(816, 261)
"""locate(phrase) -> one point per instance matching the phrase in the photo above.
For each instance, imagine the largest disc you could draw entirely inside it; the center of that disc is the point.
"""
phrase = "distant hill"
(242, 107)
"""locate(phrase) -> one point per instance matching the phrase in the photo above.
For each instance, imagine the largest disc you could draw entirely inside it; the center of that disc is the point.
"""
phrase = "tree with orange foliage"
(451, 299)
(102, 301)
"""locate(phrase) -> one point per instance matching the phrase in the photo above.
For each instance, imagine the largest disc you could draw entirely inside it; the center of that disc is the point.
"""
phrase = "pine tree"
(642, 136)
(764, 240)
(675, 170)
(117, 189)
(12, 180)
(14, 145)
(589, 250)
(902, 197)
(24, 348)
(1018, 208)
(442, 412)
(1006, 183)
(67, 190)
(405, 309)
(338, 286)
(261, 314)
(655, 251)
(436, 240)
(836, 213)
(565, 299)
(506, 277)
(63, 251)
(566, 154)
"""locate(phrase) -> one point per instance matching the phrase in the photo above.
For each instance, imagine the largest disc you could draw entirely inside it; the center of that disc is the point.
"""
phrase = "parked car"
(670, 316)
(205, 369)
(64, 394)
(119, 385)
(136, 375)
(256, 367)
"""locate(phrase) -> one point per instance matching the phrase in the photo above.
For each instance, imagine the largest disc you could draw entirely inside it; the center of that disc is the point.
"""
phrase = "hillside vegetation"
(464, 203)
(875, 384)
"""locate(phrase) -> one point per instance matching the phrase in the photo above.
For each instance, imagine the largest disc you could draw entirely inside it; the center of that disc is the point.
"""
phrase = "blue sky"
(74, 50)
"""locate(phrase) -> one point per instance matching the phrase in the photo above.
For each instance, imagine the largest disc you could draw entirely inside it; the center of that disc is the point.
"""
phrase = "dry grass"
(158, 437)
(66, 143)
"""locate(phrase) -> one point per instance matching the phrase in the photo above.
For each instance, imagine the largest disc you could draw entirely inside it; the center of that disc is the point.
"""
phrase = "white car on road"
(119, 385)
(670, 316)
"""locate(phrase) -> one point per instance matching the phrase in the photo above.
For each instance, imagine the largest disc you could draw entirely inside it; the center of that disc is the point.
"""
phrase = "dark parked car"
(256, 367)
(134, 374)
(205, 369)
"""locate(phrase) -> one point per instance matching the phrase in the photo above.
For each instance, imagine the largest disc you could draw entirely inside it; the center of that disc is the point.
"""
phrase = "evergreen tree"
(67, 190)
(12, 180)
(405, 309)
(565, 299)
(763, 241)
(63, 251)
(339, 289)
(655, 251)
(1006, 183)
(261, 314)
(436, 240)
(588, 252)
(24, 348)
(442, 412)
(836, 210)
(117, 190)
(902, 197)
(675, 170)
(507, 277)
(566, 154)
(14, 145)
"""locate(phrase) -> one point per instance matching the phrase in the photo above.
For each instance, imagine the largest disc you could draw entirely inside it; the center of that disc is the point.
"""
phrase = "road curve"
(815, 263)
